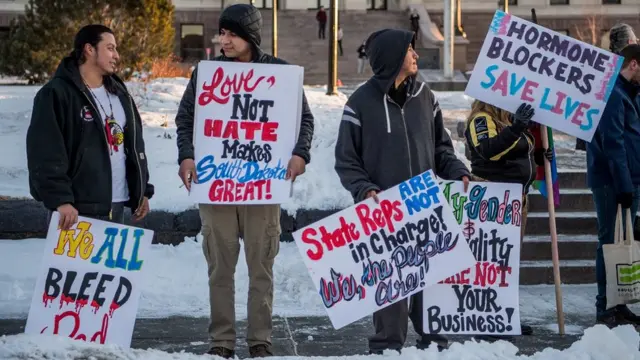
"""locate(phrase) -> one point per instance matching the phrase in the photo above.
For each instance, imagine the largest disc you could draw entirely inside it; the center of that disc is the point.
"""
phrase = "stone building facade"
(196, 20)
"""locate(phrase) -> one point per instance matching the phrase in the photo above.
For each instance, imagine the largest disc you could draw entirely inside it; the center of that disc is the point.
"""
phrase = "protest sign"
(88, 287)
(568, 82)
(482, 299)
(369, 256)
(246, 125)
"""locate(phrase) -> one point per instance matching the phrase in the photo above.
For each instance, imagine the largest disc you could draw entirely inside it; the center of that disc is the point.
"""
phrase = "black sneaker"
(425, 341)
(526, 330)
(613, 318)
(222, 352)
(628, 315)
(260, 351)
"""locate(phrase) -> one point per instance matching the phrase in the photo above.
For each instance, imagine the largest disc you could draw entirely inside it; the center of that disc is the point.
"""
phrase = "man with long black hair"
(85, 150)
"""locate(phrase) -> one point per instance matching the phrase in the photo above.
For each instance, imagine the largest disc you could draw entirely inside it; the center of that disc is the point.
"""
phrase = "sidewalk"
(304, 336)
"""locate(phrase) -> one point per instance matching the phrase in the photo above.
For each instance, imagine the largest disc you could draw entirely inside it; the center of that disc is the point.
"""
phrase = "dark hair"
(89, 34)
(630, 53)
(619, 37)
(92, 35)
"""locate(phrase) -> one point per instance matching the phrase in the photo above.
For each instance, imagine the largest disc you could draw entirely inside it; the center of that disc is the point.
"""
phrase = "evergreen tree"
(44, 34)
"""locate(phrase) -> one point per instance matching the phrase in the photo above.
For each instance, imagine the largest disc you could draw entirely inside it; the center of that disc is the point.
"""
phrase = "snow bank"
(598, 343)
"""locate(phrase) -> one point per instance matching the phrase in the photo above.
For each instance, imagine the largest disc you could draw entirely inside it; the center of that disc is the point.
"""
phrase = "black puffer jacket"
(245, 21)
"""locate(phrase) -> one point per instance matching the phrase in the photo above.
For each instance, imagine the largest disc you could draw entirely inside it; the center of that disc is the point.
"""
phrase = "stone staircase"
(298, 41)
(576, 225)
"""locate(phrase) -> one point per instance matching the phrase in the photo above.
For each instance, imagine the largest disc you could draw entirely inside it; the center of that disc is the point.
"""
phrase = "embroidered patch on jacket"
(86, 114)
(482, 130)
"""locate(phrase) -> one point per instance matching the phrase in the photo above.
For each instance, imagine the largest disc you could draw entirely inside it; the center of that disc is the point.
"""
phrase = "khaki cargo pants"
(222, 228)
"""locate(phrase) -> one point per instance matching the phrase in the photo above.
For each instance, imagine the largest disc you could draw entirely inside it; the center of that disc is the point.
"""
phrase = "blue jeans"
(606, 210)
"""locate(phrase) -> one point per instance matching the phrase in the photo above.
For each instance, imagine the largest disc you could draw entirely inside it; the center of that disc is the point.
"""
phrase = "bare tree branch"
(591, 32)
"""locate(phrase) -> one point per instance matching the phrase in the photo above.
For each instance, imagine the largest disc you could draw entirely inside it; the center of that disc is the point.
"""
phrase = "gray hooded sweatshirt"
(381, 144)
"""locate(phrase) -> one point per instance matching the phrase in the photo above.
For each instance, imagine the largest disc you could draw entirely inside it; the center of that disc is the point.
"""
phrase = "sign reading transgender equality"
(568, 82)
(246, 123)
(88, 287)
(483, 299)
(371, 255)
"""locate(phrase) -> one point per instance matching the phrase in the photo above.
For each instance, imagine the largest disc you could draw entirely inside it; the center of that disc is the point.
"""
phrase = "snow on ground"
(598, 343)
(158, 102)
(165, 293)
(11, 80)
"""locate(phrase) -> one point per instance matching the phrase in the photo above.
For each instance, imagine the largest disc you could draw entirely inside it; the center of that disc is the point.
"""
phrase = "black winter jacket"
(500, 155)
(246, 22)
(380, 143)
(67, 153)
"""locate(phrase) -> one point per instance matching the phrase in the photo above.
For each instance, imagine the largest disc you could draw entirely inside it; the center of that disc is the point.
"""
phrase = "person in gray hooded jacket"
(391, 130)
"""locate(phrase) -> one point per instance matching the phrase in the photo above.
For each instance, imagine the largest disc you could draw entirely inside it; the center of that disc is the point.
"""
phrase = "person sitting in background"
(502, 150)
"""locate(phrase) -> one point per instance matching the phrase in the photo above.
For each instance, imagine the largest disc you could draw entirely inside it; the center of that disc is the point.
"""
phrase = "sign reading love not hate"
(247, 119)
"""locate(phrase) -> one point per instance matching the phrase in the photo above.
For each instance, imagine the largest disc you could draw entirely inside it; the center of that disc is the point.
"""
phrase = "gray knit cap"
(619, 37)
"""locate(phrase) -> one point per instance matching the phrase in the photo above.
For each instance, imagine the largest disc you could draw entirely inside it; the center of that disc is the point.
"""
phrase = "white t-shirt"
(120, 189)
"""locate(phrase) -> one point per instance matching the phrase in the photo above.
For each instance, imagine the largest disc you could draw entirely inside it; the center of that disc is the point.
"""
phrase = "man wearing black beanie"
(223, 225)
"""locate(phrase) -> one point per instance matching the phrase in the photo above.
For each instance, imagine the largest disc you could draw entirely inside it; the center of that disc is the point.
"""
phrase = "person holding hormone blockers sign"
(391, 130)
(613, 173)
(503, 150)
(222, 225)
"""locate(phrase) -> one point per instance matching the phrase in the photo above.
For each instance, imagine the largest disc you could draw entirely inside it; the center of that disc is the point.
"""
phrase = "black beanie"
(244, 20)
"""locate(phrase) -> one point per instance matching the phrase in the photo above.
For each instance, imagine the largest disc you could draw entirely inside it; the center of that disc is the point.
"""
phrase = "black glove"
(624, 200)
(521, 118)
(539, 155)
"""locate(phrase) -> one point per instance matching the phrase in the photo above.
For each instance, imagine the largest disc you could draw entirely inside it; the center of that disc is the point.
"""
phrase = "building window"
(511, 2)
(559, 2)
(192, 42)
(377, 4)
(611, 2)
(266, 4)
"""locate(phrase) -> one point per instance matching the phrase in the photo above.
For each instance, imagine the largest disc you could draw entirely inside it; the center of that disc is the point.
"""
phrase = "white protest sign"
(568, 82)
(246, 120)
(369, 256)
(484, 298)
(88, 287)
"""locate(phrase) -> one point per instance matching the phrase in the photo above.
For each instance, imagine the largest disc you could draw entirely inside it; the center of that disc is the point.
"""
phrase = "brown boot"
(260, 351)
(222, 352)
